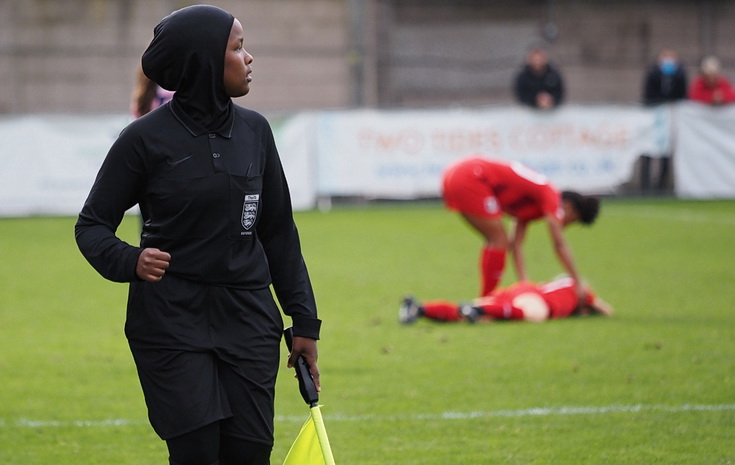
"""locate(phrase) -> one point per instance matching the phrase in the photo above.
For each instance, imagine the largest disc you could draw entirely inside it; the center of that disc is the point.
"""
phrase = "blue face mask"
(668, 67)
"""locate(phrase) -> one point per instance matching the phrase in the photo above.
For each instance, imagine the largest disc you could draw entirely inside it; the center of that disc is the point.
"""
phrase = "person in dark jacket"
(665, 82)
(539, 84)
(202, 325)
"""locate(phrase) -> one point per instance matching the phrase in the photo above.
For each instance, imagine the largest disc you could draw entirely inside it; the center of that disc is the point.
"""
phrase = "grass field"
(654, 384)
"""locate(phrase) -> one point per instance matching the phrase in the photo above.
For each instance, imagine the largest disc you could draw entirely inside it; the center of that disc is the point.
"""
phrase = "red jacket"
(701, 91)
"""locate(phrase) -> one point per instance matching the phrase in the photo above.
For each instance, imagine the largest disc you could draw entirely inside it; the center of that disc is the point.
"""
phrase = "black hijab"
(187, 55)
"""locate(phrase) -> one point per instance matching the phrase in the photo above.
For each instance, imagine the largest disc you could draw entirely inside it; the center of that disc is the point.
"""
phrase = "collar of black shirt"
(196, 129)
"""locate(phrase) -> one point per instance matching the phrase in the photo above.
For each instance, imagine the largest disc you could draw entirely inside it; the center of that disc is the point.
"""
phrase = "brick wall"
(79, 56)
(467, 51)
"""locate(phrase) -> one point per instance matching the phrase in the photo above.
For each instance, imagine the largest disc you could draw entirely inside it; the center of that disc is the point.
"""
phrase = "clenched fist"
(152, 264)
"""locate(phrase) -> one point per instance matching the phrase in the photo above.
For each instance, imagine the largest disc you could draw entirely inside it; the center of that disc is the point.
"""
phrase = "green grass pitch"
(654, 384)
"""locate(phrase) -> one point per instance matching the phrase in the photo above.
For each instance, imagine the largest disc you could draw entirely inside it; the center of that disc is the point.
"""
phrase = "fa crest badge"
(249, 210)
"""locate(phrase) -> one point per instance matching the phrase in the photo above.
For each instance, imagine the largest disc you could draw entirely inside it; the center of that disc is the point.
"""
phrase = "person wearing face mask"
(202, 325)
(665, 82)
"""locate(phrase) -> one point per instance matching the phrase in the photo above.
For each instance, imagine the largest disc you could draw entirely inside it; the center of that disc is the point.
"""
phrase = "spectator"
(711, 86)
(539, 84)
(665, 82)
(147, 95)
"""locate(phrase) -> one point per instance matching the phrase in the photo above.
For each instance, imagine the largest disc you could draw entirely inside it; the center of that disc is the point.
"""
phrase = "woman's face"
(237, 64)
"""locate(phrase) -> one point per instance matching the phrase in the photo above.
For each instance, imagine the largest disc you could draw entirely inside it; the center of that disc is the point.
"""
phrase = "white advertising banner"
(48, 163)
(704, 161)
(398, 154)
(295, 141)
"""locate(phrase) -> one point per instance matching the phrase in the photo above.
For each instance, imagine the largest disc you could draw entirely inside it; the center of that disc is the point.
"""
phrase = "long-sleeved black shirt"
(218, 202)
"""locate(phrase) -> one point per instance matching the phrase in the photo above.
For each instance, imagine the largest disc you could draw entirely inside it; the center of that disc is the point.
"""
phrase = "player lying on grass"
(521, 301)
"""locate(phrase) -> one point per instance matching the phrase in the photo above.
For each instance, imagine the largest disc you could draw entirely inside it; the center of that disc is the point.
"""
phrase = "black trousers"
(656, 182)
(206, 446)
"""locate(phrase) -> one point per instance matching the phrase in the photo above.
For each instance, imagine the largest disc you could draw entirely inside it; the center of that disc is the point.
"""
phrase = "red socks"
(492, 264)
(498, 311)
(441, 310)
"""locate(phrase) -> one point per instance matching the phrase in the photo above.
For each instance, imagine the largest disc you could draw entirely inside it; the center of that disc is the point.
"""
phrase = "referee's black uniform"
(213, 194)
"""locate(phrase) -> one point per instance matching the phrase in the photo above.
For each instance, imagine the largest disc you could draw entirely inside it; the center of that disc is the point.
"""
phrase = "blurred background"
(72, 56)
(372, 98)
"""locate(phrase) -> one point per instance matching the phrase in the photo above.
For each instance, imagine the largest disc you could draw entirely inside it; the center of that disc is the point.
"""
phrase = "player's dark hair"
(586, 206)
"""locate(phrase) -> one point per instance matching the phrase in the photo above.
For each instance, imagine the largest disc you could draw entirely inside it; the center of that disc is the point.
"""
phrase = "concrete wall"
(605, 56)
(467, 51)
(79, 56)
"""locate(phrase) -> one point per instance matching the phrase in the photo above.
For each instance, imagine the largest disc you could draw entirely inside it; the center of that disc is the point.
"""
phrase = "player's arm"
(564, 253)
(601, 307)
(516, 248)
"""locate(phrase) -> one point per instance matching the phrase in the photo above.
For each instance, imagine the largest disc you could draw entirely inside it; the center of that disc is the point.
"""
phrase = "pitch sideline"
(448, 415)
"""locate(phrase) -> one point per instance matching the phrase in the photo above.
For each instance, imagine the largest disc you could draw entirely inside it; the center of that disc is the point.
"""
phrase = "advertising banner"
(49, 162)
(403, 153)
(704, 161)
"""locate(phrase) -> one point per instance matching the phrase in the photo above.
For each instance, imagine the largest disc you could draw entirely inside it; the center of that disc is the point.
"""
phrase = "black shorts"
(206, 353)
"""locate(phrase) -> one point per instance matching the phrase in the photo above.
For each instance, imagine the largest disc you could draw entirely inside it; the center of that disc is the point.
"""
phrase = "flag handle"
(321, 434)
(307, 388)
(311, 397)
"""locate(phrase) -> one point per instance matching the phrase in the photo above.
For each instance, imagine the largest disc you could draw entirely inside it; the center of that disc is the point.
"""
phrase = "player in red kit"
(481, 190)
(521, 301)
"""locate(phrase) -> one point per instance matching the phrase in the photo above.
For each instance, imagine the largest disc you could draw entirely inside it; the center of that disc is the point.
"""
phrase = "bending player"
(481, 190)
(521, 301)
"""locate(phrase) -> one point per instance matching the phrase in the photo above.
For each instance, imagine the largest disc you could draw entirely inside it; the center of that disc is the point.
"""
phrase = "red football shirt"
(561, 297)
(489, 188)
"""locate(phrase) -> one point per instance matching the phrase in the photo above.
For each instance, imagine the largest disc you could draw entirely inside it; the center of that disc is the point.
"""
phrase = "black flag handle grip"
(306, 382)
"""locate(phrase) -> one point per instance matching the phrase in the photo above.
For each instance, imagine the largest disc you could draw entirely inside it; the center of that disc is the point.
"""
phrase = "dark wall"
(80, 55)
(467, 52)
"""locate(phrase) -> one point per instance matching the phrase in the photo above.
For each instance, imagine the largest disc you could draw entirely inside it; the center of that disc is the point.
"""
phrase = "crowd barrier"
(48, 162)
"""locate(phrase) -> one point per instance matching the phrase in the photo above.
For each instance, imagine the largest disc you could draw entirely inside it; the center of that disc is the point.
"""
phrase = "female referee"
(218, 230)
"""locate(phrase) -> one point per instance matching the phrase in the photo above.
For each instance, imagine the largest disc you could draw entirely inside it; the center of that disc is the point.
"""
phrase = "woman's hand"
(306, 347)
(152, 264)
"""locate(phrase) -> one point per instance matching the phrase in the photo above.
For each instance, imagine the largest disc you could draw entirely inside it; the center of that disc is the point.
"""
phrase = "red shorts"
(465, 189)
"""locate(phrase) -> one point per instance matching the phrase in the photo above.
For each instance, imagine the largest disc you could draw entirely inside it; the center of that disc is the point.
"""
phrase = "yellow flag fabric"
(306, 450)
(311, 446)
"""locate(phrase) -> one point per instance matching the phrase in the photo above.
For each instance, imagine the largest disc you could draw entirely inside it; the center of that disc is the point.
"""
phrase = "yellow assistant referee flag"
(312, 444)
